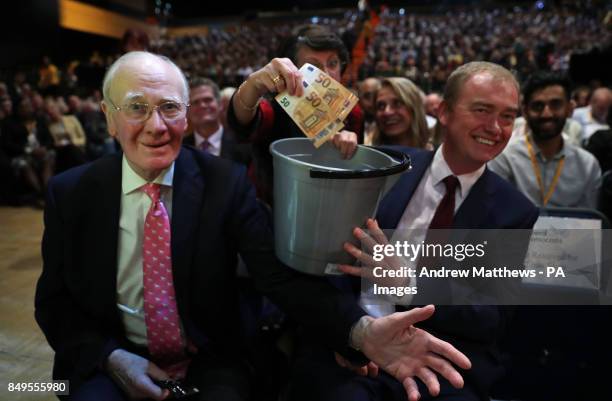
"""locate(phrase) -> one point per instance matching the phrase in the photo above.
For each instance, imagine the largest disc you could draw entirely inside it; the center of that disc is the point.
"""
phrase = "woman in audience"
(400, 115)
(26, 141)
(68, 137)
(255, 115)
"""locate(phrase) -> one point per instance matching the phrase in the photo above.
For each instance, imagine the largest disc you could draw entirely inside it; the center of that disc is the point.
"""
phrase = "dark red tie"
(205, 145)
(443, 218)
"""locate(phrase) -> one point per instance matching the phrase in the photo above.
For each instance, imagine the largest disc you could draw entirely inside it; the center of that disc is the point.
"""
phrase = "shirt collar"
(441, 170)
(214, 139)
(131, 181)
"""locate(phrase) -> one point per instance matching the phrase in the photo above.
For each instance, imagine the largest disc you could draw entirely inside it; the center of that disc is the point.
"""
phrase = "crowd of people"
(411, 52)
(480, 100)
(426, 49)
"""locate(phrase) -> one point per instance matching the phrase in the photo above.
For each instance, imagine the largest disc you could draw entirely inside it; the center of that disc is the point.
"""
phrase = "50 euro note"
(309, 112)
(324, 98)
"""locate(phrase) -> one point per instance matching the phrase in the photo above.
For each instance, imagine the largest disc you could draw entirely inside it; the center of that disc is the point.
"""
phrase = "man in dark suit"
(480, 104)
(139, 256)
(204, 117)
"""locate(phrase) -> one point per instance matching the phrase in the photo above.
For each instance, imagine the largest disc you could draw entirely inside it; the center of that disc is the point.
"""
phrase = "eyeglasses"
(138, 112)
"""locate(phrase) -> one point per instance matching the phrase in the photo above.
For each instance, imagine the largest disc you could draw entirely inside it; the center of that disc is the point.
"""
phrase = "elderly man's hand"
(406, 352)
(134, 375)
(346, 143)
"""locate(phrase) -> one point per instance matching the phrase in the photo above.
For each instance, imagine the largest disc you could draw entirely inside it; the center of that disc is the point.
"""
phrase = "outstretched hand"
(370, 369)
(407, 352)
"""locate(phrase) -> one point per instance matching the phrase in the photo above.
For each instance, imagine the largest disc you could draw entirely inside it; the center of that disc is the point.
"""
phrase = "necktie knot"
(152, 190)
(205, 145)
(451, 182)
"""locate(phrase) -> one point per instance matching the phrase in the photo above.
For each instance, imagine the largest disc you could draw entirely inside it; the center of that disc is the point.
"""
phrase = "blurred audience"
(593, 117)
(26, 141)
(367, 100)
(423, 48)
(600, 145)
(68, 137)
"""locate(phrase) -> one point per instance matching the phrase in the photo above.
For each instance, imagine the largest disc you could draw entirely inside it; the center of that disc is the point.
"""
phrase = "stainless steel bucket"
(319, 198)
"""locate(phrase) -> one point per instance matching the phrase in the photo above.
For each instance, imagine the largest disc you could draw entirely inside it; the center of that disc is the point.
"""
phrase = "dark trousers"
(317, 376)
(217, 378)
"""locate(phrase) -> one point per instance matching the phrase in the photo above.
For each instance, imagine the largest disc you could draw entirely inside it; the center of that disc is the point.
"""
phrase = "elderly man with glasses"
(139, 254)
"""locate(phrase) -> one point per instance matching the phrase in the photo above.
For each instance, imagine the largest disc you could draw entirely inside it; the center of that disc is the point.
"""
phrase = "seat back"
(605, 195)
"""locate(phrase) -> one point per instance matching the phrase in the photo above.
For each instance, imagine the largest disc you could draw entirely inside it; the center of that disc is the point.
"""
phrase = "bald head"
(432, 101)
(600, 103)
(367, 95)
(141, 61)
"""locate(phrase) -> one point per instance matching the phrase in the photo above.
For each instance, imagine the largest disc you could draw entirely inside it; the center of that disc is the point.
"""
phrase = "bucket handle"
(403, 165)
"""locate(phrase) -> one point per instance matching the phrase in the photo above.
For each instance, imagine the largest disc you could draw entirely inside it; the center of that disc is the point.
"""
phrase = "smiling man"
(450, 188)
(205, 115)
(139, 263)
(542, 164)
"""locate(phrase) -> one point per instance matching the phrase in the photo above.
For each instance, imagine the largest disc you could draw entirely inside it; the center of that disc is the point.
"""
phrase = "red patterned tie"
(164, 338)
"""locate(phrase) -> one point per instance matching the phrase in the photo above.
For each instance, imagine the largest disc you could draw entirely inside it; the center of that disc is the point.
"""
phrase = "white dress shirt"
(417, 216)
(214, 141)
(431, 190)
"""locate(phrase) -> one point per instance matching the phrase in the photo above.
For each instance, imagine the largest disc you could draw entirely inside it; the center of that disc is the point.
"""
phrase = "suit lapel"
(226, 146)
(474, 210)
(187, 190)
(394, 204)
(98, 229)
(189, 139)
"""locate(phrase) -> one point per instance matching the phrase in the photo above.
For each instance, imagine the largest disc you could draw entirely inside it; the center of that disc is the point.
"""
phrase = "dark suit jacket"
(230, 149)
(214, 216)
(491, 204)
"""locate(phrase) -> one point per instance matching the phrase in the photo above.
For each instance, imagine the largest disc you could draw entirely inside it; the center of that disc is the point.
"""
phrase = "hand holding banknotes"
(316, 102)
(279, 75)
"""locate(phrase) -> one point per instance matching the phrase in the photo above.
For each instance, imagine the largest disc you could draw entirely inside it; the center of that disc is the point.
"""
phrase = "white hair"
(134, 57)
(227, 92)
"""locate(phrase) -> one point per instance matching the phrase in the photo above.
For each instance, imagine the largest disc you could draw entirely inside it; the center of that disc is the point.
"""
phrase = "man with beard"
(542, 165)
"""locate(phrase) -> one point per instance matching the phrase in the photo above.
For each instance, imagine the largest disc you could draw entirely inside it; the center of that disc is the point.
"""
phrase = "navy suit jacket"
(491, 204)
(215, 216)
(230, 149)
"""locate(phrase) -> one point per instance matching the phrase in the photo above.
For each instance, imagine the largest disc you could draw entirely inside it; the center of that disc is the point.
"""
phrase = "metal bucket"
(319, 198)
